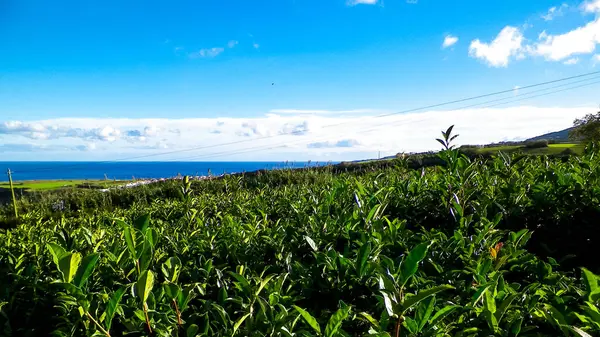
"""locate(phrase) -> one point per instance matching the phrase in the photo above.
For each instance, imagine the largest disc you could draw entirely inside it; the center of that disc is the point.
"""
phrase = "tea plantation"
(475, 247)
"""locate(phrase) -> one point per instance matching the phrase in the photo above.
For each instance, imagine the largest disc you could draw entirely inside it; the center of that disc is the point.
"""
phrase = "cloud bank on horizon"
(314, 135)
(310, 132)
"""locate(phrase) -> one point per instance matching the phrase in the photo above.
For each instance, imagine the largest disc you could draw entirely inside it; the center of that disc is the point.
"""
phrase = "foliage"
(468, 248)
(536, 144)
(587, 128)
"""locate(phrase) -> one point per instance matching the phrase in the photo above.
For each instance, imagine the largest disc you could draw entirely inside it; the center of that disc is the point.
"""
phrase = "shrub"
(536, 144)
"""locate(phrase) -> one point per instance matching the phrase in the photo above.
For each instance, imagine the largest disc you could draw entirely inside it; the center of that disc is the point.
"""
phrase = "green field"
(470, 247)
(45, 185)
(551, 149)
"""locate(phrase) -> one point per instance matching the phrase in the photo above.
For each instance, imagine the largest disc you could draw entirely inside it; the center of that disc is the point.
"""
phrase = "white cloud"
(591, 6)
(232, 43)
(554, 12)
(364, 2)
(596, 59)
(273, 137)
(498, 53)
(449, 40)
(571, 61)
(256, 45)
(207, 52)
(565, 46)
(333, 144)
(582, 40)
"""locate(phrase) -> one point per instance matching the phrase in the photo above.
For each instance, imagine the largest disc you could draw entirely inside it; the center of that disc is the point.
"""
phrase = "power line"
(323, 127)
(270, 147)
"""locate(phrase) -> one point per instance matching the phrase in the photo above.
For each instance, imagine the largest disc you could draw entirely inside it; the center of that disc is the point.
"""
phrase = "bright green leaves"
(311, 243)
(336, 320)
(311, 321)
(144, 285)
(142, 223)
(129, 234)
(362, 259)
(424, 311)
(141, 241)
(424, 294)
(85, 270)
(591, 284)
(411, 262)
(57, 252)
(334, 325)
(112, 307)
(171, 269)
(68, 265)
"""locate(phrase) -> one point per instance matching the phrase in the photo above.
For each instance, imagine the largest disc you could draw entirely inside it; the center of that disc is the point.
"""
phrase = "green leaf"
(515, 327)
(491, 320)
(239, 322)
(192, 330)
(490, 302)
(129, 234)
(144, 285)
(479, 294)
(370, 318)
(172, 290)
(445, 311)
(387, 301)
(222, 296)
(578, 331)
(85, 270)
(69, 288)
(142, 223)
(243, 283)
(145, 252)
(309, 319)
(411, 301)
(411, 325)
(591, 282)
(362, 258)
(449, 131)
(140, 315)
(312, 244)
(424, 311)
(56, 251)
(112, 306)
(411, 262)
(171, 269)
(335, 321)
(68, 265)
(152, 237)
(504, 306)
(263, 283)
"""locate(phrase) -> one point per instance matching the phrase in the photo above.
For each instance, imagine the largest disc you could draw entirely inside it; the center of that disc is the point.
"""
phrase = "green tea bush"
(473, 247)
(536, 144)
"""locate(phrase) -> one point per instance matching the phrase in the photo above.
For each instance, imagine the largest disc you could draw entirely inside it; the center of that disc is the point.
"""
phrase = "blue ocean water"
(137, 170)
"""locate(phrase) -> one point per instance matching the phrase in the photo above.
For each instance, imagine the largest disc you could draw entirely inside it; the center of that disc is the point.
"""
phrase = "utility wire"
(323, 127)
(376, 127)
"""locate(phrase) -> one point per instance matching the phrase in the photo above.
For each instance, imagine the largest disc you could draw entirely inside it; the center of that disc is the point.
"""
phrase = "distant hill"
(562, 135)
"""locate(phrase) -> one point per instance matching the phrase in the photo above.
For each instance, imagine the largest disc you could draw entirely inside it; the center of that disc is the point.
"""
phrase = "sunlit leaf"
(144, 285)
(309, 319)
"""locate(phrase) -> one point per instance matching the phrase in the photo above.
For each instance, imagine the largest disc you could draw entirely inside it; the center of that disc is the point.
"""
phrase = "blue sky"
(84, 79)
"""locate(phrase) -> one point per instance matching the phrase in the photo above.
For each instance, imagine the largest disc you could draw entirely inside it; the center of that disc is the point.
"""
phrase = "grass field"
(45, 185)
(551, 149)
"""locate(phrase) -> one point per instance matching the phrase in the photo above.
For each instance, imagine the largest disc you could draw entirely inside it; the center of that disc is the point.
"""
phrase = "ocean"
(138, 170)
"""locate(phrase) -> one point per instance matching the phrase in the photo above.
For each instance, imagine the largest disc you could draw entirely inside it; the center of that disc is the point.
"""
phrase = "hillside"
(562, 135)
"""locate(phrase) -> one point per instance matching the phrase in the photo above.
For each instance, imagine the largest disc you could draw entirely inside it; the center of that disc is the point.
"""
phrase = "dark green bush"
(536, 144)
